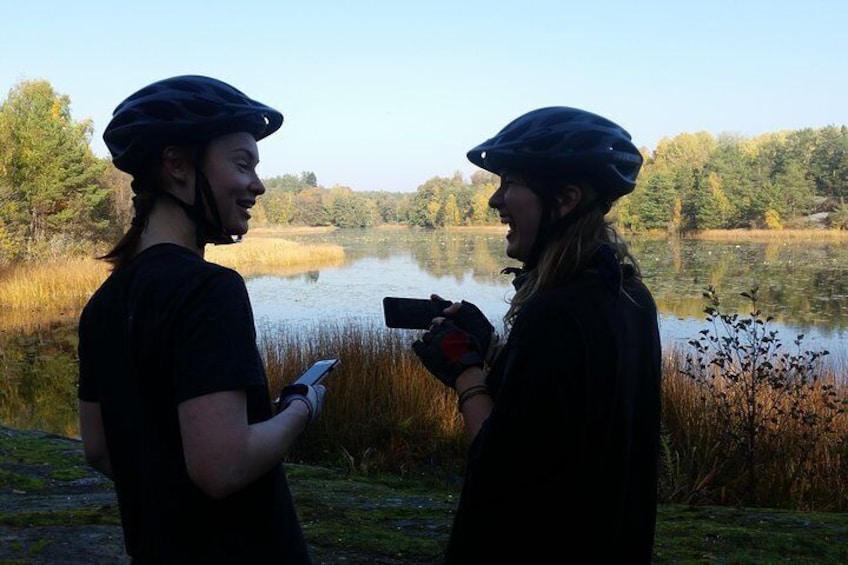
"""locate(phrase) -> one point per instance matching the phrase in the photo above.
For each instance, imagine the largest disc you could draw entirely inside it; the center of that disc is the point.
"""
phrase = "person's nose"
(496, 199)
(257, 186)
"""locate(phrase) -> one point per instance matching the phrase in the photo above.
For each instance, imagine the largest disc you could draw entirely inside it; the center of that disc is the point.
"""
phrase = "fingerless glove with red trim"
(446, 351)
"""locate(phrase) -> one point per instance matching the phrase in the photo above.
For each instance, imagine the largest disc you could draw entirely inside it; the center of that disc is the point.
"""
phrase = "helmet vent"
(203, 108)
(543, 142)
(583, 141)
(161, 110)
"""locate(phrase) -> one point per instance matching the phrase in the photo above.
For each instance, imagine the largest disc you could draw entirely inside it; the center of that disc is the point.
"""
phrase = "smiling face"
(230, 166)
(521, 210)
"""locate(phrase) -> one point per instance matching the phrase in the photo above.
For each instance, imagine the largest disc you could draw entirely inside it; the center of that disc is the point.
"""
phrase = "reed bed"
(770, 235)
(283, 231)
(34, 294)
(384, 413)
(39, 294)
(271, 256)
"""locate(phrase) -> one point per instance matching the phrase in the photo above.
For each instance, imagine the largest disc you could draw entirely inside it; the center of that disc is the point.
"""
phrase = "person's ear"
(568, 198)
(177, 165)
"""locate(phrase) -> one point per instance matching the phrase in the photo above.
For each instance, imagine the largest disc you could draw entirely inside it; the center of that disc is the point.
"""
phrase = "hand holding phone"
(316, 373)
(412, 313)
(306, 388)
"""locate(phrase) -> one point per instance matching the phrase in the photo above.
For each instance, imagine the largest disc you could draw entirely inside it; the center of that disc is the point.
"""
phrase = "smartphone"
(412, 313)
(316, 373)
(312, 376)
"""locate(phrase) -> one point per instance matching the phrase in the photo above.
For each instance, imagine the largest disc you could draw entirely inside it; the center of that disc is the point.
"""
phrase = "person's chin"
(512, 251)
(238, 228)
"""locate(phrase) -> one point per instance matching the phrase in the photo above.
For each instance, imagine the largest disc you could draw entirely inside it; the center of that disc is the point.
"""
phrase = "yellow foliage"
(772, 220)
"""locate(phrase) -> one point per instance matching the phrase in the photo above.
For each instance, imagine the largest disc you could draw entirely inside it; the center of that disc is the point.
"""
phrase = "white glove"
(312, 396)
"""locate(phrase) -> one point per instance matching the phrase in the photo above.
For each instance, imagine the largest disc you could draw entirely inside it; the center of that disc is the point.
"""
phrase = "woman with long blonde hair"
(563, 418)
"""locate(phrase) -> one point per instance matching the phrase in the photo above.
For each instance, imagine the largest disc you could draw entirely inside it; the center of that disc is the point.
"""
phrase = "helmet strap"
(208, 231)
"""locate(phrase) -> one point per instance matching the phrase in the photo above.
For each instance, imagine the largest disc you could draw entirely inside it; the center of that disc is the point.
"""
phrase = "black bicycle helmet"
(559, 140)
(188, 109)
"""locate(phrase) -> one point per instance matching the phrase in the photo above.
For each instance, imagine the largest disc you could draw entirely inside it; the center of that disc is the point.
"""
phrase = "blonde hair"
(567, 252)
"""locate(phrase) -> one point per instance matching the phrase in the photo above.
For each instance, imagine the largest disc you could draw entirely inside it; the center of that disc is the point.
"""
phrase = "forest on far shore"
(58, 198)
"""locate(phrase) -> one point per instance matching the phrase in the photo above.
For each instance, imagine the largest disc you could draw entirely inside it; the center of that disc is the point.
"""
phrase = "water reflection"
(802, 284)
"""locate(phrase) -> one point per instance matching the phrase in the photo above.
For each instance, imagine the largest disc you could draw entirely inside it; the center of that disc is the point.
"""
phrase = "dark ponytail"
(127, 246)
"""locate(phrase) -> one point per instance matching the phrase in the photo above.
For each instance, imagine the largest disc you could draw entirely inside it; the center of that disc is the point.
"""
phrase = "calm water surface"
(804, 285)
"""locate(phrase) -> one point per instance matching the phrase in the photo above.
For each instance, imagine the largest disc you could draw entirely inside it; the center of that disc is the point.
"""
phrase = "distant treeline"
(57, 197)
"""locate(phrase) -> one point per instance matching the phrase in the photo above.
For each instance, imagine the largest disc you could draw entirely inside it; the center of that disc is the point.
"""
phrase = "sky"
(385, 95)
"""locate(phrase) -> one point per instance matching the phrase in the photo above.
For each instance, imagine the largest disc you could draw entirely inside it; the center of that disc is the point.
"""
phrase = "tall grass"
(778, 409)
(770, 235)
(384, 413)
(44, 293)
(801, 464)
(267, 256)
(37, 294)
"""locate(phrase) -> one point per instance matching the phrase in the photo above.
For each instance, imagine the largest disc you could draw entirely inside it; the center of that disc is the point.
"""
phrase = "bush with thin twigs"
(773, 415)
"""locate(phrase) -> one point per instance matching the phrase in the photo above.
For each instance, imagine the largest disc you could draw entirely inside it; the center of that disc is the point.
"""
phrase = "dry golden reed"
(770, 235)
(35, 294)
(267, 256)
(384, 412)
(50, 286)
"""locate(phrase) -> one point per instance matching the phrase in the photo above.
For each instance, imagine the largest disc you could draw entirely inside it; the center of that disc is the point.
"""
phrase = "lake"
(803, 284)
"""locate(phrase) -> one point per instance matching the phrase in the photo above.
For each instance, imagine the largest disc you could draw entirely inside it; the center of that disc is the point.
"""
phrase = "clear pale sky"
(384, 95)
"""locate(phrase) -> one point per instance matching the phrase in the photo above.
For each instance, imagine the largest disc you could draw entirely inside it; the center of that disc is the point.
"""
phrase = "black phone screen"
(412, 313)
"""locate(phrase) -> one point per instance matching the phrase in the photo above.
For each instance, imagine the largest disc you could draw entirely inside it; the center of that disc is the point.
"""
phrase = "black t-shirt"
(565, 467)
(168, 327)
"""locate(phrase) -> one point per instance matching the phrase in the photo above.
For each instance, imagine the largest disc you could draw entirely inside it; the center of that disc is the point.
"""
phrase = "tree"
(348, 209)
(427, 203)
(54, 193)
(309, 178)
(712, 209)
(120, 197)
(278, 206)
(652, 205)
(309, 208)
(829, 162)
(481, 213)
(450, 212)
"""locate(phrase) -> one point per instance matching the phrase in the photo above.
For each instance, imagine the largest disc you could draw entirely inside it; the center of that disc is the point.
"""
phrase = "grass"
(386, 414)
(32, 295)
(266, 256)
(769, 235)
(379, 519)
(706, 534)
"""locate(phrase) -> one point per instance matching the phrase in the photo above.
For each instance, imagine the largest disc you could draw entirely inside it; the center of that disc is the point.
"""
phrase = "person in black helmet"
(563, 419)
(174, 399)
